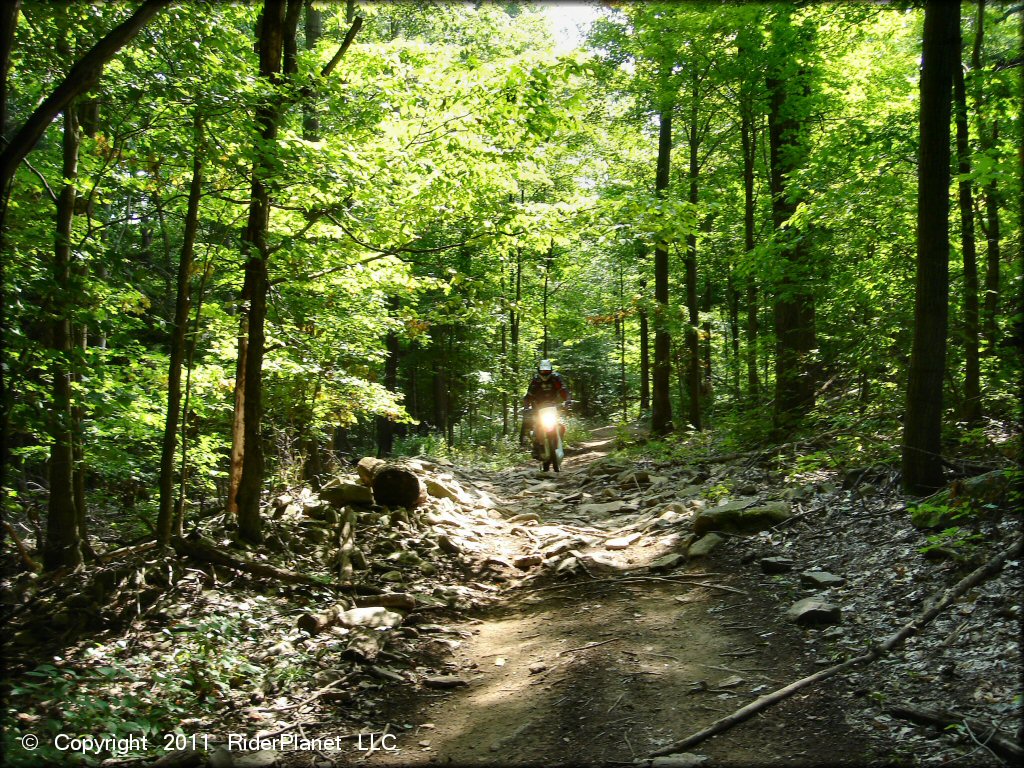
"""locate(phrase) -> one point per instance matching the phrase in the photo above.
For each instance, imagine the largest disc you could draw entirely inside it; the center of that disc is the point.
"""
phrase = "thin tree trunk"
(661, 404)
(238, 418)
(733, 300)
(692, 337)
(256, 284)
(314, 31)
(749, 138)
(972, 374)
(385, 426)
(645, 346)
(8, 23)
(795, 376)
(182, 308)
(922, 431)
(179, 505)
(63, 542)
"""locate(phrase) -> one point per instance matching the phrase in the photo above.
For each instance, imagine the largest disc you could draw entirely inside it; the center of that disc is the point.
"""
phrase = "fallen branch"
(976, 577)
(201, 549)
(588, 646)
(26, 558)
(998, 743)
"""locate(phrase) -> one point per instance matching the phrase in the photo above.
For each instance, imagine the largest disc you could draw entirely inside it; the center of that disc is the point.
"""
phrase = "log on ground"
(393, 485)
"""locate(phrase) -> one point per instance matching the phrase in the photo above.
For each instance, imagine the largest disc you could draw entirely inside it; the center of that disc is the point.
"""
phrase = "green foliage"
(954, 540)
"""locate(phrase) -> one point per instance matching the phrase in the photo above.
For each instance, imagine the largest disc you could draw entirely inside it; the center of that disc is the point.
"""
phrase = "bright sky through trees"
(570, 22)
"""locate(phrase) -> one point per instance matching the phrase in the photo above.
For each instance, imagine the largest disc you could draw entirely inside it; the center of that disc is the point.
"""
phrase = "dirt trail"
(616, 661)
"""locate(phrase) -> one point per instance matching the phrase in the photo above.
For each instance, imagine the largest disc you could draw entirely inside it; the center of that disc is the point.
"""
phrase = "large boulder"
(741, 516)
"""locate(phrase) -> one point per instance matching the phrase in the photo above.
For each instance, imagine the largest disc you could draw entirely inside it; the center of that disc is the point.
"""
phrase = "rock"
(820, 579)
(704, 545)
(680, 760)
(776, 564)
(341, 494)
(265, 758)
(372, 616)
(739, 517)
(439, 490)
(448, 545)
(537, 667)
(747, 489)
(527, 561)
(622, 542)
(606, 508)
(444, 681)
(668, 562)
(813, 611)
(525, 517)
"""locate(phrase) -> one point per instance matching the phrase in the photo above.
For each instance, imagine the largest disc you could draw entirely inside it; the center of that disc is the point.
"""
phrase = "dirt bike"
(547, 437)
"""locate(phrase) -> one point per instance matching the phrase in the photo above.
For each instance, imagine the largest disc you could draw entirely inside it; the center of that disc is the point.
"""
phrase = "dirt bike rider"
(546, 388)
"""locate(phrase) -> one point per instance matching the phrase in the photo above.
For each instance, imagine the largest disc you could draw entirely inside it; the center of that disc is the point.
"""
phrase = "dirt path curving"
(616, 660)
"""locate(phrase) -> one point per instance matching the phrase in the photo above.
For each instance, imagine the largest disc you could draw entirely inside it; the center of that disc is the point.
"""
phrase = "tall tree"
(972, 373)
(661, 403)
(922, 431)
(256, 249)
(183, 302)
(63, 541)
(788, 83)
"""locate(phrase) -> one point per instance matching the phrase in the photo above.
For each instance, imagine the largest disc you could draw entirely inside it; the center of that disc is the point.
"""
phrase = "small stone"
(537, 667)
(262, 759)
(444, 681)
(820, 579)
(668, 562)
(776, 564)
(622, 542)
(704, 545)
(526, 562)
(812, 611)
(447, 544)
(680, 760)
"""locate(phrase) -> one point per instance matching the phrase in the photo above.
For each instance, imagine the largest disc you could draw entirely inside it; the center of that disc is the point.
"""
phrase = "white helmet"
(545, 366)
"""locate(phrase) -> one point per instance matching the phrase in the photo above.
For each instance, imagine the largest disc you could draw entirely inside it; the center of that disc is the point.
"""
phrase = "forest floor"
(606, 668)
(529, 618)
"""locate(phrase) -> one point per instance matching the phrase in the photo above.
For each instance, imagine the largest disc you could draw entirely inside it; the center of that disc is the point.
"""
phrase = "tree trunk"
(922, 431)
(992, 259)
(988, 138)
(256, 284)
(385, 426)
(63, 543)
(692, 337)
(645, 345)
(182, 307)
(972, 374)
(748, 136)
(794, 301)
(8, 23)
(661, 404)
(314, 31)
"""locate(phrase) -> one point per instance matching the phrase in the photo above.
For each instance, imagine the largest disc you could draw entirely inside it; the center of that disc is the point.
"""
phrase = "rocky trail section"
(591, 617)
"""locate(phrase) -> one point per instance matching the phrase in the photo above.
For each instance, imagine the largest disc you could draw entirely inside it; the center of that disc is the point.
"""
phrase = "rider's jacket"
(541, 393)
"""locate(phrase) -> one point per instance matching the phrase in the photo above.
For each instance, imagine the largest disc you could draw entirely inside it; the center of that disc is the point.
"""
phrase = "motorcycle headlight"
(548, 418)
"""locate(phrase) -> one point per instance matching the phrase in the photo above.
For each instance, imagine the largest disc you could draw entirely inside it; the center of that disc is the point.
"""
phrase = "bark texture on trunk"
(661, 403)
(922, 430)
(63, 542)
(182, 306)
(254, 289)
(972, 373)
